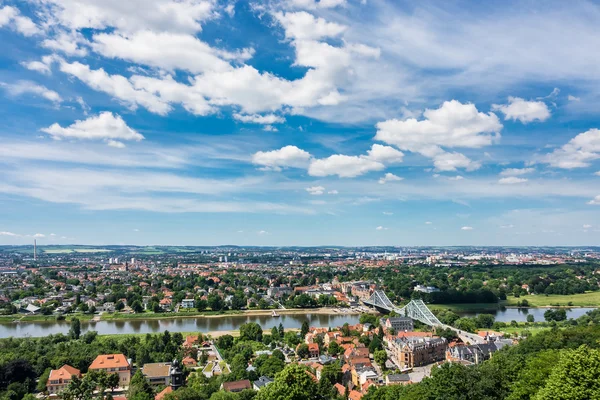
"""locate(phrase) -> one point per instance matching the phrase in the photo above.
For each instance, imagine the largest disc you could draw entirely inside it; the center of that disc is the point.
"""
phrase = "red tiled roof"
(109, 361)
(165, 392)
(64, 372)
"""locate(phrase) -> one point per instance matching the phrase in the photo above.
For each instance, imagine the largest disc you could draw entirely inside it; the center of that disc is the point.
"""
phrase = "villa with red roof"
(59, 378)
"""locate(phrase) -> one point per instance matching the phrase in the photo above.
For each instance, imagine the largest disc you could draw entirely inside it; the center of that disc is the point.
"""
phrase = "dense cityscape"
(406, 318)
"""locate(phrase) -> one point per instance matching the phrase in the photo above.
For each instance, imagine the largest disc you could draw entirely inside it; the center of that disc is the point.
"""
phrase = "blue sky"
(299, 122)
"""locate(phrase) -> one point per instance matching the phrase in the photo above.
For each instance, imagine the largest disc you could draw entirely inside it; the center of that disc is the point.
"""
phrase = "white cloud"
(346, 166)
(261, 233)
(288, 156)
(573, 98)
(333, 192)
(452, 161)
(453, 124)
(315, 190)
(456, 178)
(577, 153)
(597, 173)
(104, 126)
(27, 87)
(516, 171)
(384, 154)
(167, 15)
(259, 119)
(523, 110)
(230, 9)
(70, 43)
(116, 144)
(428, 222)
(9, 234)
(343, 166)
(587, 226)
(467, 228)
(21, 24)
(389, 177)
(381, 228)
(304, 26)
(315, 4)
(39, 235)
(169, 51)
(511, 180)
(595, 201)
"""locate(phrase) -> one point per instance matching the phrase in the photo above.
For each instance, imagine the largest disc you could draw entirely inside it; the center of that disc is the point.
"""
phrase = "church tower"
(176, 375)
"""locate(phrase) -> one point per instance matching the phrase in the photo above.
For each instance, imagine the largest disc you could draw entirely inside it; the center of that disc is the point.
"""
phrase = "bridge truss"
(416, 309)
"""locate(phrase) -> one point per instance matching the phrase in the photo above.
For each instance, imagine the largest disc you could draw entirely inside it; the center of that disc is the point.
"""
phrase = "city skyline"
(299, 122)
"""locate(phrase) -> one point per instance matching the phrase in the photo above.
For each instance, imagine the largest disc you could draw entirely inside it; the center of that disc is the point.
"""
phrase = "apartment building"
(114, 364)
(59, 379)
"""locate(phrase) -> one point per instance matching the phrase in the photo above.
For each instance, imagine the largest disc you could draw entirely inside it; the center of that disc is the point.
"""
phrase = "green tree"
(380, 357)
(281, 330)
(225, 342)
(293, 383)
(75, 330)
(79, 389)
(530, 318)
(139, 387)
(251, 331)
(302, 350)
(465, 324)
(304, 329)
(576, 377)
(271, 367)
(334, 348)
(137, 307)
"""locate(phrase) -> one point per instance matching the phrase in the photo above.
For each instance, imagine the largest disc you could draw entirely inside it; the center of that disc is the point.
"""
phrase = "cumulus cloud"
(389, 177)
(315, 190)
(511, 180)
(595, 201)
(381, 228)
(11, 16)
(523, 110)
(27, 87)
(452, 161)
(5, 233)
(267, 119)
(125, 16)
(577, 153)
(516, 171)
(453, 124)
(385, 154)
(346, 166)
(304, 26)
(104, 126)
(343, 166)
(315, 4)
(467, 228)
(456, 178)
(286, 157)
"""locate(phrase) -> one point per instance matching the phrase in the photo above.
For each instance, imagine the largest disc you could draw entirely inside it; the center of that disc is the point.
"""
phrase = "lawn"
(466, 307)
(589, 299)
(534, 330)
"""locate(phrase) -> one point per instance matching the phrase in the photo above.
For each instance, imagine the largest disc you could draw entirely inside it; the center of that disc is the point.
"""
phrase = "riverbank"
(176, 315)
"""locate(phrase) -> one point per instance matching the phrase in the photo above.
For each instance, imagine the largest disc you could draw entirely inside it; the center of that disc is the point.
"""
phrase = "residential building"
(113, 364)
(157, 373)
(187, 303)
(60, 378)
(476, 353)
(398, 324)
(262, 382)
(236, 386)
(397, 379)
(415, 351)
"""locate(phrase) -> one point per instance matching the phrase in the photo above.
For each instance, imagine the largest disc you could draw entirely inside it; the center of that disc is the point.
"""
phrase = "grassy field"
(466, 307)
(590, 299)
(534, 330)
(41, 318)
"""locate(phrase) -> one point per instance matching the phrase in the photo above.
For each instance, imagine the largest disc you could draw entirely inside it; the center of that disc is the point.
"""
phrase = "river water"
(233, 322)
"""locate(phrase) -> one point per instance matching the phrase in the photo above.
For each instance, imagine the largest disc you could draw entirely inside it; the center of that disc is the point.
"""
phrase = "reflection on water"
(233, 322)
(200, 324)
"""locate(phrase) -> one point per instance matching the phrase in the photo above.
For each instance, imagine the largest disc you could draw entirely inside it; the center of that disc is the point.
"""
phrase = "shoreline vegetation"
(589, 299)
